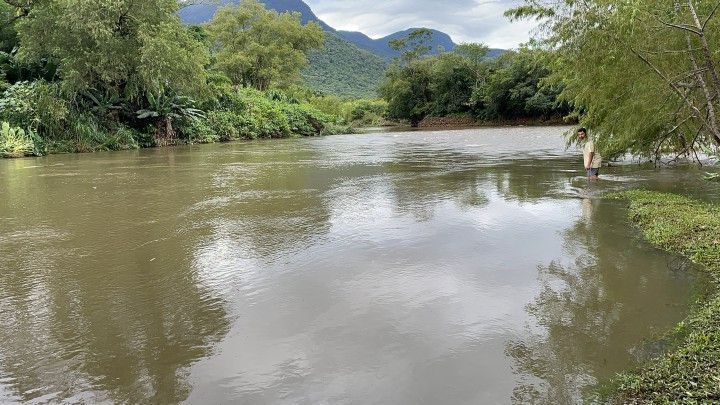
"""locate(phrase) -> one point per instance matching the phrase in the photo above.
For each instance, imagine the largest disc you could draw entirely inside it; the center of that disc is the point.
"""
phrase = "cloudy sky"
(464, 20)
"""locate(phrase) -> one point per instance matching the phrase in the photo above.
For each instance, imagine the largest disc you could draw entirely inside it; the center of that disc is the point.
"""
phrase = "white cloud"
(463, 20)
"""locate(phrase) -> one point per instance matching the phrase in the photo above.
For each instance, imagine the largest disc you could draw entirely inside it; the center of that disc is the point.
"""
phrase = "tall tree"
(127, 47)
(643, 73)
(258, 48)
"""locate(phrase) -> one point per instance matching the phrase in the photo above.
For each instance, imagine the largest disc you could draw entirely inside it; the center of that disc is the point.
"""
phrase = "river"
(455, 267)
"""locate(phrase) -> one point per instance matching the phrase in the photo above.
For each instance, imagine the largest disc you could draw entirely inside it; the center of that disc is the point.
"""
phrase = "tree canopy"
(466, 81)
(260, 48)
(121, 46)
(642, 74)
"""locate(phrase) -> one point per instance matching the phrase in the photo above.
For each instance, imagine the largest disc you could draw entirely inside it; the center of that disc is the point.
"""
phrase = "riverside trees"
(466, 82)
(83, 75)
(643, 74)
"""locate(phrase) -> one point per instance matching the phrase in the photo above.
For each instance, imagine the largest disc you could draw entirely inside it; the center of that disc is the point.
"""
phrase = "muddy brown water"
(455, 267)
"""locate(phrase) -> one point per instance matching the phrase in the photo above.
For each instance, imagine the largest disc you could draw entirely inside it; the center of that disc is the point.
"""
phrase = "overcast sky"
(464, 20)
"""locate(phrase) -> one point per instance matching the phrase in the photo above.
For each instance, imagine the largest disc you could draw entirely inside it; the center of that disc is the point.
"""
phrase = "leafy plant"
(163, 109)
(16, 142)
(35, 105)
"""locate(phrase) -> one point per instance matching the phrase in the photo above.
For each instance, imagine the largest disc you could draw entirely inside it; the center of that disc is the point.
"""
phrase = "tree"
(515, 87)
(260, 48)
(415, 46)
(643, 74)
(453, 79)
(407, 90)
(125, 47)
(476, 56)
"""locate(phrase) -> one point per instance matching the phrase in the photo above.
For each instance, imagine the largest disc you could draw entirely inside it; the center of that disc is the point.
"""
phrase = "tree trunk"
(712, 118)
(707, 53)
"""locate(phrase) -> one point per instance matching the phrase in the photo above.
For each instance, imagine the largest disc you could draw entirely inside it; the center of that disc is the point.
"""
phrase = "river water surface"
(465, 267)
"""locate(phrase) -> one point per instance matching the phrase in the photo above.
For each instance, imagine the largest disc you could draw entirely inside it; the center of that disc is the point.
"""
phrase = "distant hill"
(202, 13)
(344, 69)
(440, 42)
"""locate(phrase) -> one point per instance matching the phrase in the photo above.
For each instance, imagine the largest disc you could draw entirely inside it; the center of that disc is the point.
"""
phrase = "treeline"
(113, 74)
(466, 82)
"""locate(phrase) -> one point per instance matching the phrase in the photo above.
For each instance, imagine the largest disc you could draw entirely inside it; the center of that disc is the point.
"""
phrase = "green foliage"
(128, 46)
(260, 48)
(252, 114)
(16, 142)
(343, 69)
(366, 112)
(407, 89)
(688, 373)
(642, 75)
(121, 74)
(36, 105)
(163, 110)
(200, 131)
(515, 87)
(230, 126)
(464, 82)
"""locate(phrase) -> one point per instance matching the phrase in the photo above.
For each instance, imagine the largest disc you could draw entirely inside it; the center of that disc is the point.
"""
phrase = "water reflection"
(95, 306)
(593, 312)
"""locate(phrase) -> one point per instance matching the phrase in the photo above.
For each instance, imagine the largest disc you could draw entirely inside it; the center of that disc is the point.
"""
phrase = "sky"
(464, 20)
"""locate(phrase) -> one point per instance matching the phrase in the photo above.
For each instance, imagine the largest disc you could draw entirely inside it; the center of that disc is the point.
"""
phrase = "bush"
(229, 126)
(123, 138)
(199, 131)
(368, 112)
(16, 142)
(35, 105)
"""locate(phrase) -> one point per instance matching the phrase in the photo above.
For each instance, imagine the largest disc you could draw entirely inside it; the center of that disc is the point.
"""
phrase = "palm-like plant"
(164, 108)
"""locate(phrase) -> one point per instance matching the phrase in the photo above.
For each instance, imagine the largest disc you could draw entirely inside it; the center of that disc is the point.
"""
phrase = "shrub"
(16, 142)
(229, 126)
(35, 105)
(367, 112)
(123, 138)
(198, 131)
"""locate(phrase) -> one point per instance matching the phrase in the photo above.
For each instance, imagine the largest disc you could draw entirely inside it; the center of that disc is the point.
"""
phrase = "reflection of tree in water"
(126, 332)
(275, 205)
(594, 312)
(531, 179)
(421, 180)
(98, 303)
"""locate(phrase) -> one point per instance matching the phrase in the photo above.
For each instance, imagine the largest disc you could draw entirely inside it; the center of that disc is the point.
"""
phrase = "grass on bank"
(690, 372)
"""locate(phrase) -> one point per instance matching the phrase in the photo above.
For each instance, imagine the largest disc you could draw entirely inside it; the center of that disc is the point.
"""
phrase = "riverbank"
(236, 114)
(690, 371)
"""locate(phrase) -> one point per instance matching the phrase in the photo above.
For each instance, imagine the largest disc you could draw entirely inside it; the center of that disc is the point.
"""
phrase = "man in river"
(592, 159)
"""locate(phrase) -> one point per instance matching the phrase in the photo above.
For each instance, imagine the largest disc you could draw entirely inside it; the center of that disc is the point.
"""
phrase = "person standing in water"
(592, 159)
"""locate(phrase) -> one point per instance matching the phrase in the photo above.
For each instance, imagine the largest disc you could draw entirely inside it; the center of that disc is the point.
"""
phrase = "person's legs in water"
(593, 174)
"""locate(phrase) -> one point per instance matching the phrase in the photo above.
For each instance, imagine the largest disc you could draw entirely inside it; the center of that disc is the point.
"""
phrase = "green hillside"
(343, 69)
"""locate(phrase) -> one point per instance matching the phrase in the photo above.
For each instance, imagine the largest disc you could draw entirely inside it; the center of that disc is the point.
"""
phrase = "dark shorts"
(593, 172)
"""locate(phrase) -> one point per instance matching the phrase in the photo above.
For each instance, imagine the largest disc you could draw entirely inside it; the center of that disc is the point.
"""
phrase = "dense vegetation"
(467, 82)
(688, 373)
(123, 74)
(342, 69)
(642, 75)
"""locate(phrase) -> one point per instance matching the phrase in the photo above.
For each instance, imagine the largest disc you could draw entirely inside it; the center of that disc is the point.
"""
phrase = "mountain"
(440, 42)
(202, 13)
(344, 69)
